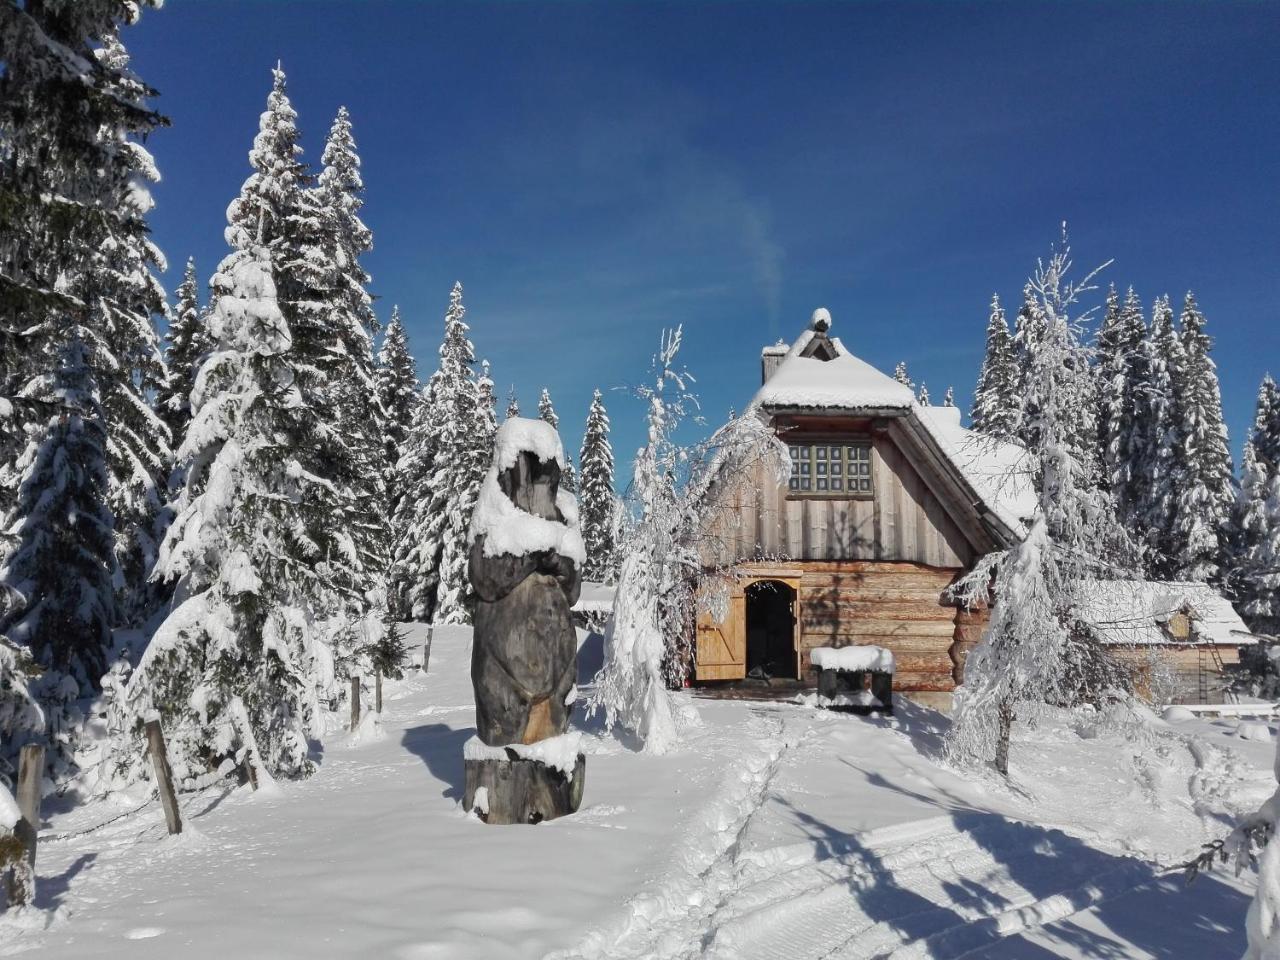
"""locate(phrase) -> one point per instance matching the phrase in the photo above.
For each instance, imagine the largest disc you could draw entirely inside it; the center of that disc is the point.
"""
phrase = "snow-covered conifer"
(1256, 575)
(1204, 483)
(513, 405)
(399, 396)
(415, 568)
(922, 397)
(598, 502)
(994, 400)
(264, 567)
(949, 398)
(547, 413)
(900, 374)
(1159, 418)
(186, 343)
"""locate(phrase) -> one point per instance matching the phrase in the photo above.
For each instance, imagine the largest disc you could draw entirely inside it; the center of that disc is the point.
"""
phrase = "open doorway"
(771, 623)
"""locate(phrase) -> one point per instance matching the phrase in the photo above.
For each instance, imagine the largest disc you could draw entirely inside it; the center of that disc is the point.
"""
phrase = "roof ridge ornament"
(820, 322)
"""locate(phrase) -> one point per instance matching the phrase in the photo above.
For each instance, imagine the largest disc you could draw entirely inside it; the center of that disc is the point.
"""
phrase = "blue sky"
(594, 173)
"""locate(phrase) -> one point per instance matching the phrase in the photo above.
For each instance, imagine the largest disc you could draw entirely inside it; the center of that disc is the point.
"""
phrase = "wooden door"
(722, 647)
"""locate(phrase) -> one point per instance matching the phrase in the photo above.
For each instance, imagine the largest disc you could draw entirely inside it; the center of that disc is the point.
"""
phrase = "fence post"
(164, 776)
(20, 880)
(377, 687)
(426, 648)
(355, 702)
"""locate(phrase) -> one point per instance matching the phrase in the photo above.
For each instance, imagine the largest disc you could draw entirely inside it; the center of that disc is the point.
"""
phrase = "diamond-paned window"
(831, 469)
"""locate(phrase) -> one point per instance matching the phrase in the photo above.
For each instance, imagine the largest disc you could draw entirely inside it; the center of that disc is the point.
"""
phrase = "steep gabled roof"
(989, 473)
(845, 381)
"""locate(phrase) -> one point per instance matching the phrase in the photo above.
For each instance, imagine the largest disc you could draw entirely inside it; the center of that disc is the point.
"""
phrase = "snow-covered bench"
(859, 678)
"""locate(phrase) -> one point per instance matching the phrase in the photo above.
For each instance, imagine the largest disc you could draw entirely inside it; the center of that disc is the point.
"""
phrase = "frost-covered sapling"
(1037, 649)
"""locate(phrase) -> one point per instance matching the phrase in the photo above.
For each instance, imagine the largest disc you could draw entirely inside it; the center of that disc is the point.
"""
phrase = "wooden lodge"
(887, 504)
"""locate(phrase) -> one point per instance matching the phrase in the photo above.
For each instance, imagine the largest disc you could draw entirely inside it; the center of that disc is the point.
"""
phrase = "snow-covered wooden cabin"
(1189, 629)
(888, 503)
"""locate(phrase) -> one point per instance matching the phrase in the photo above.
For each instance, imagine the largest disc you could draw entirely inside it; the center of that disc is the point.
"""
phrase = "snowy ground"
(776, 830)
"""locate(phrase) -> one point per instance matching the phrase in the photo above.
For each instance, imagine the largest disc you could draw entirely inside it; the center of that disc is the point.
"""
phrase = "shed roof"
(1134, 612)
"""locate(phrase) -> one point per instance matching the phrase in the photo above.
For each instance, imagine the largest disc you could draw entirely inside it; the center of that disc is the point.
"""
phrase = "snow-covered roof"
(1134, 612)
(846, 382)
(992, 468)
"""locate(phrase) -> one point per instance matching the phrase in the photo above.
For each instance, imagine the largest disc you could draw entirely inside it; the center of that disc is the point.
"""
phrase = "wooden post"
(377, 687)
(164, 777)
(426, 648)
(355, 702)
(20, 880)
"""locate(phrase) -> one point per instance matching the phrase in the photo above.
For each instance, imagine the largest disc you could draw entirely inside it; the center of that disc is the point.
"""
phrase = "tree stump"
(521, 791)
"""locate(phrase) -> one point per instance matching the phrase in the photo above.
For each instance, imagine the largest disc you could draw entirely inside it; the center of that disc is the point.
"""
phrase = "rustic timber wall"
(902, 521)
(898, 606)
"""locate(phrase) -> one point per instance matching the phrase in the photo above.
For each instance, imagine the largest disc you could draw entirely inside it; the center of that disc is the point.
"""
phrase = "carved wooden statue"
(524, 568)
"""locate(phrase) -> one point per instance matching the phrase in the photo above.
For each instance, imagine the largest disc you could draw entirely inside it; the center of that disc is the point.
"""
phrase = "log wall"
(898, 606)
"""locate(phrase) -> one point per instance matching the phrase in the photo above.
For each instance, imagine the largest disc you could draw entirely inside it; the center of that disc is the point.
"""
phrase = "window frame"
(813, 441)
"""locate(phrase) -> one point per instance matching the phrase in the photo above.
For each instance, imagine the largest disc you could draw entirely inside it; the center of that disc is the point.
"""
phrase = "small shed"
(1190, 629)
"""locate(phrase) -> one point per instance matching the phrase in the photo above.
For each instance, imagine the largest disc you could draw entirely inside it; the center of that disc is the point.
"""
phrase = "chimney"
(770, 358)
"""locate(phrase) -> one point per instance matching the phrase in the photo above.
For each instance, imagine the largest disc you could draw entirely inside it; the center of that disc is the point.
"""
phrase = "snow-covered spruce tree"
(900, 374)
(513, 405)
(547, 413)
(1204, 491)
(185, 345)
(70, 117)
(349, 325)
(75, 249)
(62, 571)
(598, 502)
(265, 572)
(949, 398)
(922, 397)
(1036, 650)
(399, 396)
(1256, 573)
(1159, 420)
(448, 455)
(994, 401)
(1124, 369)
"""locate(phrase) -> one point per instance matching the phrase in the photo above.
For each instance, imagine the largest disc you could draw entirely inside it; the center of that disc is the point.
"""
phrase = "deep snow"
(772, 830)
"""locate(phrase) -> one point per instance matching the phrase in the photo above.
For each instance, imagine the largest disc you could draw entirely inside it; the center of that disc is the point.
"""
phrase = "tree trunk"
(1002, 737)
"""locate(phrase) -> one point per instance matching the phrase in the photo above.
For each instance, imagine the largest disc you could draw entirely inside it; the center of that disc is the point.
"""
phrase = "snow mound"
(1176, 714)
(559, 752)
(505, 527)
(9, 812)
(1254, 731)
(862, 657)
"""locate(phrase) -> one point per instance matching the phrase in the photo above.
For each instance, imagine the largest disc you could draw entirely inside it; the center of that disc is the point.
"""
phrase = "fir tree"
(73, 252)
(1160, 422)
(923, 397)
(464, 424)
(949, 398)
(994, 400)
(264, 568)
(1257, 570)
(1204, 490)
(598, 502)
(416, 556)
(513, 405)
(547, 413)
(398, 399)
(900, 374)
(1124, 368)
(346, 337)
(186, 344)
(63, 569)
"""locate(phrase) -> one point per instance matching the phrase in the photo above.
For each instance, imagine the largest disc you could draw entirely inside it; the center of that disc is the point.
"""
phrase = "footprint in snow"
(143, 933)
